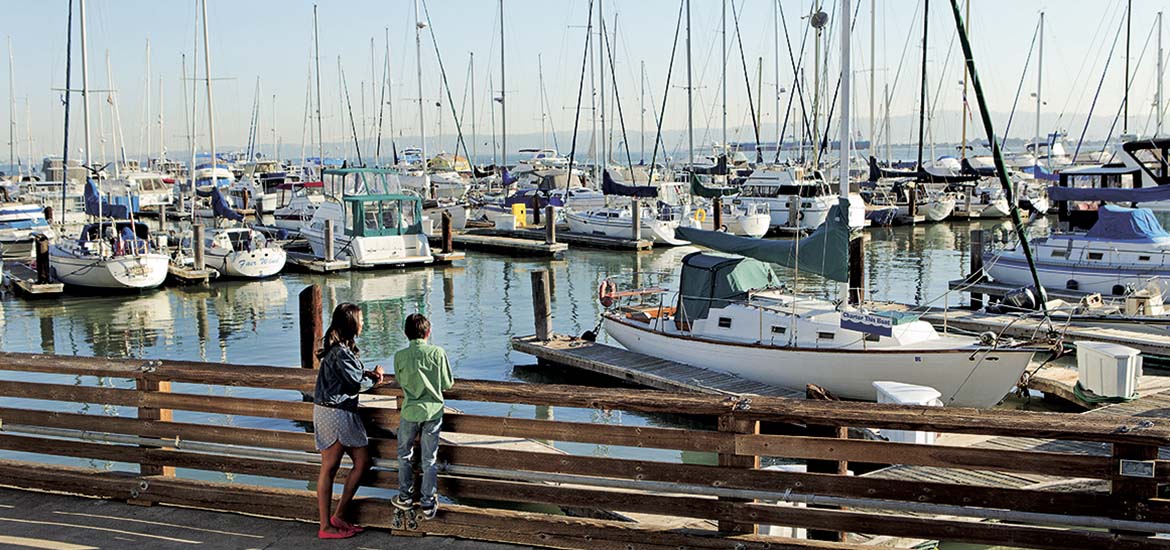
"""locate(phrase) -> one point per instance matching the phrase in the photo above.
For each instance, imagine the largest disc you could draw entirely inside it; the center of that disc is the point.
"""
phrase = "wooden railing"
(1122, 452)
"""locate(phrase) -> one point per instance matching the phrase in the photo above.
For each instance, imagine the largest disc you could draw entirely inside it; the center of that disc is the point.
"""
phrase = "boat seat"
(646, 313)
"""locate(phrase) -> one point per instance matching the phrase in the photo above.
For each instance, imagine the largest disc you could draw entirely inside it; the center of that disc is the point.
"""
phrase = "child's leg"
(407, 432)
(361, 463)
(330, 461)
(430, 451)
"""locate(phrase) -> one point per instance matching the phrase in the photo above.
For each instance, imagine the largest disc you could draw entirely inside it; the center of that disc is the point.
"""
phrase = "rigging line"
(748, 84)
(1097, 94)
(824, 145)
(382, 101)
(666, 90)
(1141, 57)
(1103, 24)
(1027, 61)
(349, 107)
(898, 74)
(621, 117)
(798, 90)
(446, 87)
(580, 89)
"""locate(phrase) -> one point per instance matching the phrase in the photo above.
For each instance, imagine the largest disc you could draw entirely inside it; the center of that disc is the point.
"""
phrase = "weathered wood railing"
(733, 493)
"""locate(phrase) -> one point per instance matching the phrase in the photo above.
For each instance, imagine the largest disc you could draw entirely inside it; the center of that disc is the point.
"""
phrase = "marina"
(807, 276)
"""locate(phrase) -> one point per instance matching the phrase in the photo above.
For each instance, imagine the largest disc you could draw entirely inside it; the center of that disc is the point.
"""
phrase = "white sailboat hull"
(139, 271)
(661, 232)
(247, 264)
(965, 377)
(747, 225)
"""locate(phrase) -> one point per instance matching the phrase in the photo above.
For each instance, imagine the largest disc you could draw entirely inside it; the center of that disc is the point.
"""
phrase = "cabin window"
(725, 322)
(776, 329)
(389, 214)
(1096, 255)
(1059, 253)
(1143, 258)
(825, 335)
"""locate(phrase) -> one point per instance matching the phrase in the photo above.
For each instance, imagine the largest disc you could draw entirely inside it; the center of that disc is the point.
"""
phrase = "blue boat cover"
(1144, 194)
(1129, 224)
(611, 187)
(824, 252)
(95, 206)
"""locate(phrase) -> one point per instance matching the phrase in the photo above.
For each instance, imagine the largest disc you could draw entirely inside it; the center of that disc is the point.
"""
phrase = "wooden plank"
(152, 414)
(265, 408)
(884, 452)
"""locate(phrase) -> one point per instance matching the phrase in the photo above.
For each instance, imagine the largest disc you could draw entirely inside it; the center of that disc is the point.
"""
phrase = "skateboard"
(405, 519)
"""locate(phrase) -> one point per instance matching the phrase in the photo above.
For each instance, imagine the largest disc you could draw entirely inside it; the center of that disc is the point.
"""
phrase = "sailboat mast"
(540, 81)
(601, 83)
(503, 85)
(816, 104)
(84, 86)
(474, 142)
(690, 110)
(963, 150)
(210, 103)
(12, 108)
(162, 148)
(922, 96)
(317, 70)
(68, 74)
(723, 68)
(146, 119)
(846, 120)
(1125, 102)
(419, 25)
(1159, 110)
(1039, 83)
(776, 69)
(642, 112)
(873, 78)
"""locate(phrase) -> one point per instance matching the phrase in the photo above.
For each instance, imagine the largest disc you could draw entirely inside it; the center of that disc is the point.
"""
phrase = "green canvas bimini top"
(715, 279)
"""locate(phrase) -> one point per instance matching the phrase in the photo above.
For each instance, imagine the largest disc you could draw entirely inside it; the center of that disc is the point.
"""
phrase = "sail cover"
(1130, 224)
(219, 204)
(824, 252)
(96, 206)
(700, 190)
(1144, 194)
(712, 280)
(611, 187)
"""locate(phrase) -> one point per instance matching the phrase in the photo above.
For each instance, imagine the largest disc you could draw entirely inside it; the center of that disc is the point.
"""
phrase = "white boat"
(739, 218)
(303, 199)
(140, 191)
(618, 222)
(242, 252)
(20, 224)
(1126, 250)
(797, 200)
(118, 255)
(217, 175)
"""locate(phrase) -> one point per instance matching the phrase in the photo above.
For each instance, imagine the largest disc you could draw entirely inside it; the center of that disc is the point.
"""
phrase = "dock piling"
(977, 274)
(636, 214)
(448, 238)
(550, 225)
(535, 210)
(49, 214)
(794, 214)
(717, 214)
(857, 269)
(44, 274)
(198, 246)
(541, 310)
(162, 218)
(329, 252)
(912, 199)
(310, 323)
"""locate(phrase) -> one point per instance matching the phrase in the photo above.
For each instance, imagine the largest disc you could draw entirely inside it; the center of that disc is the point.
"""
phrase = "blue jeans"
(429, 432)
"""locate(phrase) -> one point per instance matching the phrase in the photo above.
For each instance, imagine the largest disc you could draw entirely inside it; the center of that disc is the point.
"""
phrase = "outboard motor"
(1020, 299)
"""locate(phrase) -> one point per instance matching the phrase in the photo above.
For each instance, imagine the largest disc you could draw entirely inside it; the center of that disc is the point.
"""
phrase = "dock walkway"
(643, 369)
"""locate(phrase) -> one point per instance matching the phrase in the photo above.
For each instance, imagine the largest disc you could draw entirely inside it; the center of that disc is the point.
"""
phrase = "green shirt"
(424, 374)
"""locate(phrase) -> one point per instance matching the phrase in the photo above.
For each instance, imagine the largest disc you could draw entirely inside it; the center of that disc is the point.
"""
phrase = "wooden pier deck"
(643, 369)
(576, 239)
(309, 262)
(23, 280)
(184, 275)
(512, 245)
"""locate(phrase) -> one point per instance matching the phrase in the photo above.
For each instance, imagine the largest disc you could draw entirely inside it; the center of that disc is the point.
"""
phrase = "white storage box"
(899, 393)
(506, 223)
(1108, 370)
(428, 225)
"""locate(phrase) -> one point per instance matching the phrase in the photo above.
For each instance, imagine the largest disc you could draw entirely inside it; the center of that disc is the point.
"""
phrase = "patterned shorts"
(331, 425)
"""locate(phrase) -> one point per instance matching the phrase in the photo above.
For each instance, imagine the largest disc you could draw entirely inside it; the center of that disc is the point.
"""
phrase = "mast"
(690, 110)
(474, 144)
(601, 83)
(162, 148)
(419, 25)
(922, 96)
(776, 69)
(1039, 83)
(317, 70)
(503, 85)
(210, 103)
(963, 149)
(11, 108)
(1125, 102)
(642, 112)
(146, 122)
(846, 119)
(540, 81)
(723, 67)
(1158, 108)
(887, 121)
(84, 95)
(68, 74)
(816, 106)
(873, 78)
(492, 108)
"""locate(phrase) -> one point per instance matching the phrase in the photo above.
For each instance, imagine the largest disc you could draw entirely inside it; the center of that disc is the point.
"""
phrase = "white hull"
(746, 225)
(372, 251)
(1103, 280)
(140, 271)
(846, 373)
(247, 264)
(588, 223)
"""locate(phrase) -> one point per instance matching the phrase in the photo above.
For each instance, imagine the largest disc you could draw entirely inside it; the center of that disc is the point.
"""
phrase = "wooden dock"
(23, 280)
(476, 240)
(183, 275)
(641, 369)
(309, 262)
(577, 239)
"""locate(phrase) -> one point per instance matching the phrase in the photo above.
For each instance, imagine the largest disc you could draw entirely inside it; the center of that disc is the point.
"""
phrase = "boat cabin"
(122, 237)
(383, 215)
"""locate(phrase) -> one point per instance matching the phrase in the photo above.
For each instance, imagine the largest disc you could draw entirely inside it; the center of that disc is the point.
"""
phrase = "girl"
(337, 427)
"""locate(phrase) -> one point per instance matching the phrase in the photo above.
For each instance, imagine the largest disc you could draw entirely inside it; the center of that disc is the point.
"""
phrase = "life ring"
(700, 215)
(607, 293)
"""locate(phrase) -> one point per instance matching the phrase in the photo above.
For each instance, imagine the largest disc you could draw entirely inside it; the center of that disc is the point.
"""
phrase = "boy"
(424, 374)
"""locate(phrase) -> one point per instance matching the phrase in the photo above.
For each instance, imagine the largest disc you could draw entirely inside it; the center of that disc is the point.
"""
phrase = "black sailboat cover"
(611, 187)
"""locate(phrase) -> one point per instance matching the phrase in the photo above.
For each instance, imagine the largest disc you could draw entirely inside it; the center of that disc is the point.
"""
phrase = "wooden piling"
(717, 214)
(550, 225)
(198, 245)
(448, 238)
(636, 214)
(245, 199)
(44, 273)
(162, 218)
(535, 210)
(857, 269)
(912, 198)
(730, 423)
(541, 308)
(151, 413)
(837, 467)
(329, 252)
(49, 214)
(977, 273)
(794, 213)
(310, 323)
(1135, 480)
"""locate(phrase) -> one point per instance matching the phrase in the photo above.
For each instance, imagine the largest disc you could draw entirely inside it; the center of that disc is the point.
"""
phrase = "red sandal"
(341, 535)
(344, 525)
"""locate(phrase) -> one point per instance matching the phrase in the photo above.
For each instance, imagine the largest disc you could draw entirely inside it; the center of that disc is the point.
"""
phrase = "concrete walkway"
(60, 522)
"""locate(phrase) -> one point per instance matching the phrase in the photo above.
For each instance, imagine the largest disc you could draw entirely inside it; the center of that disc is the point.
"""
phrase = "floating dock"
(575, 239)
(641, 369)
(184, 275)
(477, 240)
(23, 279)
(307, 261)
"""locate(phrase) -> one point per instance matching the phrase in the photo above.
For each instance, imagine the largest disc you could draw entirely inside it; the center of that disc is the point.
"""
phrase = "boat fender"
(606, 293)
(700, 215)
(1072, 284)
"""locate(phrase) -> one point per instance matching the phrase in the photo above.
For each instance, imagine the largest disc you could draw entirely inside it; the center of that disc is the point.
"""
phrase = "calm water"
(475, 308)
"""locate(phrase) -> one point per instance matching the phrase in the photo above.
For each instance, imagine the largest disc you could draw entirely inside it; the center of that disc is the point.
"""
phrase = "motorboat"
(20, 225)
(797, 200)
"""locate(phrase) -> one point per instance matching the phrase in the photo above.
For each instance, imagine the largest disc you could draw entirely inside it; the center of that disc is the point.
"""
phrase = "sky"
(271, 41)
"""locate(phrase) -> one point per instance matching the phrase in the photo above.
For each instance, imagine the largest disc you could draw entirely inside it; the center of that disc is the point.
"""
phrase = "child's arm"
(445, 371)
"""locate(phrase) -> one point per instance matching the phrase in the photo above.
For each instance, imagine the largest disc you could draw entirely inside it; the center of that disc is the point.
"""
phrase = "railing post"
(541, 309)
(977, 274)
(44, 272)
(550, 225)
(732, 424)
(144, 385)
(837, 467)
(1134, 481)
(448, 238)
(310, 322)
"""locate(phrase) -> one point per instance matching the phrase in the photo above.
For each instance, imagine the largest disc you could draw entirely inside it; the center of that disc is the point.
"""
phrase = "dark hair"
(417, 326)
(342, 329)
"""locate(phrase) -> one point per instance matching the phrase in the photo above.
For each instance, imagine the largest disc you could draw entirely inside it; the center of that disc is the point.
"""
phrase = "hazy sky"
(272, 40)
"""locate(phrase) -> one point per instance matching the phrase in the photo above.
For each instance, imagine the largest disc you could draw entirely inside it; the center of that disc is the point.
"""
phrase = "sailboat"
(658, 224)
(732, 314)
(239, 251)
(114, 254)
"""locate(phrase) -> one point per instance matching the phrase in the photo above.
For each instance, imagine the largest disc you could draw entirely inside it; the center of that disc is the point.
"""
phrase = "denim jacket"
(339, 379)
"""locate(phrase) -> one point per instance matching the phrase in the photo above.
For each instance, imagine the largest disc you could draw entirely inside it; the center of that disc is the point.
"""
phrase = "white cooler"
(899, 393)
(1108, 370)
